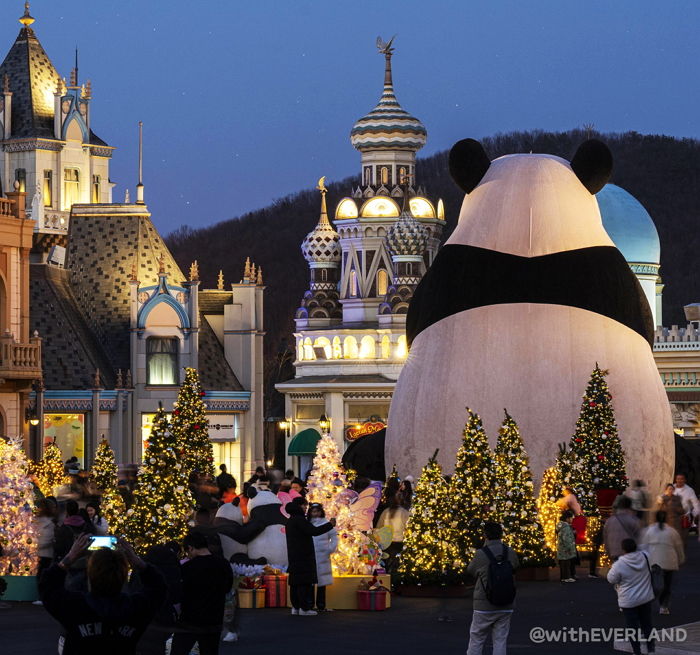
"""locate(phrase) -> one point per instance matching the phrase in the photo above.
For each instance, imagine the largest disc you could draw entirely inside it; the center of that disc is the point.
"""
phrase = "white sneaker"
(308, 612)
(230, 636)
(295, 611)
(37, 602)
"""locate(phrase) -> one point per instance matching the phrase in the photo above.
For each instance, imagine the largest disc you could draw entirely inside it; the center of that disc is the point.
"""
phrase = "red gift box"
(371, 600)
(275, 590)
(579, 525)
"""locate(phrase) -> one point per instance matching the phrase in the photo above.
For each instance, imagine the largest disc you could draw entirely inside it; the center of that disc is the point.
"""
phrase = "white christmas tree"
(18, 542)
(327, 478)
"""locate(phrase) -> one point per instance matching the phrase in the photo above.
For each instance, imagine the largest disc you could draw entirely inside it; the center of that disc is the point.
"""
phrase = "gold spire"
(386, 48)
(60, 87)
(321, 186)
(26, 19)
(246, 271)
(253, 275)
(259, 280)
(194, 271)
(220, 281)
(87, 92)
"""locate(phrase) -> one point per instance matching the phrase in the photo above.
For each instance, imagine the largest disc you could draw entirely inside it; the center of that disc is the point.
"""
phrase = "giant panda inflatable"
(265, 516)
(526, 296)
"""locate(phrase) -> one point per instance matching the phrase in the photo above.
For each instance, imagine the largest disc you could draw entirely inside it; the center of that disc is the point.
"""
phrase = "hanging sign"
(356, 431)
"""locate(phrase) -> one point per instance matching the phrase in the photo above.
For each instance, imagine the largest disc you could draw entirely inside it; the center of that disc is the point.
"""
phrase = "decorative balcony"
(20, 361)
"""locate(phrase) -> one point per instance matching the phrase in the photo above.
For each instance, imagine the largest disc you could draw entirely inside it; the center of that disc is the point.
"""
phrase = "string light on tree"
(548, 509)
(327, 478)
(104, 473)
(428, 553)
(49, 471)
(596, 440)
(162, 500)
(191, 426)
(472, 490)
(18, 542)
(515, 503)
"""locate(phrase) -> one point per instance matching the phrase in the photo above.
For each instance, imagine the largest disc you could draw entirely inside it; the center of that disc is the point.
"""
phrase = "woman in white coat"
(324, 546)
(665, 548)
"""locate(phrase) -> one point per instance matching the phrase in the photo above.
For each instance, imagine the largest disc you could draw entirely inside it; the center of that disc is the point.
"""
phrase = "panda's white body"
(532, 358)
(271, 543)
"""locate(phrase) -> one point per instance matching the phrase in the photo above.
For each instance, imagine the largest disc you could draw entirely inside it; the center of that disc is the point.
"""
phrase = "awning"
(304, 442)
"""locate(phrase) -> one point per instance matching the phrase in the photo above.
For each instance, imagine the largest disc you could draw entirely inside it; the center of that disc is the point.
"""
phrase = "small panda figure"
(523, 300)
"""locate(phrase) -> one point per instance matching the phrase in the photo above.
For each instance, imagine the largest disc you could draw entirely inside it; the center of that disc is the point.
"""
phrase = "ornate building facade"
(363, 269)
(118, 319)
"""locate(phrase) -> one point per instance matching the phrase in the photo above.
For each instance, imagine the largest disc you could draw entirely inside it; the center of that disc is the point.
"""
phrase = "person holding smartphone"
(104, 620)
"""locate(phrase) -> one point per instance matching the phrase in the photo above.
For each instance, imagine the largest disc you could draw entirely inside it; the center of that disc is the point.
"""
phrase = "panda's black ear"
(251, 492)
(593, 164)
(468, 164)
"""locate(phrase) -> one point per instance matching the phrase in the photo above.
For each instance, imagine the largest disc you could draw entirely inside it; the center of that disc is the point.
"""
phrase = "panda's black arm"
(244, 534)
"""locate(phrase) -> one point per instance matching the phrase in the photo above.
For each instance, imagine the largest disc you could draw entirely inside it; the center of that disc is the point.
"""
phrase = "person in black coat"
(302, 558)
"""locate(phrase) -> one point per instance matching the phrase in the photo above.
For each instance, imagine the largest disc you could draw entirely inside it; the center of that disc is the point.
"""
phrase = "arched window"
(308, 350)
(300, 352)
(324, 275)
(367, 348)
(402, 347)
(350, 348)
(161, 361)
(382, 282)
(402, 175)
(354, 291)
(323, 342)
(386, 347)
(337, 348)
(385, 175)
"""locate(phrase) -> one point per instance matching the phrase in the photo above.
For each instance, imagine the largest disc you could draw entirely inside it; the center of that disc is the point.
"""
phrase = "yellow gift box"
(251, 598)
(342, 594)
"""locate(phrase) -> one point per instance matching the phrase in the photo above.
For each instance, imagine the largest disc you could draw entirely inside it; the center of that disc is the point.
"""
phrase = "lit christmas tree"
(191, 426)
(328, 485)
(49, 471)
(104, 472)
(596, 440)
(162, 500)
(472, 490)
(429, 553)
(18, 543)
(327, 479)
(515, 503)
(548, 509)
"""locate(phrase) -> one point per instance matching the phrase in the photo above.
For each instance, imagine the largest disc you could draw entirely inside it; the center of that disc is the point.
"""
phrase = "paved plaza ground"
(410, 626)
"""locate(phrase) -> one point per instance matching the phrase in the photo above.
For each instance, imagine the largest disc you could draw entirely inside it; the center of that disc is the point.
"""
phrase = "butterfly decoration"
(364, 505)
(383, 536)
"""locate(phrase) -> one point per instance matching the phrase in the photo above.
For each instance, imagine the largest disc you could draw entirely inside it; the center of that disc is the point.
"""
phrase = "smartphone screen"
(102, 542)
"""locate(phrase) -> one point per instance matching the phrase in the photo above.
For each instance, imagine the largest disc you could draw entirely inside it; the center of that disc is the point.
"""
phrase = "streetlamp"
(324, 423)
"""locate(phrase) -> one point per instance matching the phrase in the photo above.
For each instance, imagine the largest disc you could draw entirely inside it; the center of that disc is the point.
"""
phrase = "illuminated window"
(367, 348)
(346, 209)
(146, 426)
(323, 342)
(71, 187)
(337, 348)
(354, 291)
(382, 282)
(402, 347)
(308, 350)
(441, 210)
(300, 351)
(350, 348)
(421, 207)
(402, 175)
(380, 207)
(21, 177)
(68, 431)
(368, 175)
(386, 347)
(385, 175)
(47, 190)
(161, 361)
(95, 188)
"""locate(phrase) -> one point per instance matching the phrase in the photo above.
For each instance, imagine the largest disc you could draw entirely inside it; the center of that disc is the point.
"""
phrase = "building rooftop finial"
(385, 48)
(139, 186)
(194, 271)
(259, 279)
(220, 281)
(321, 186)
(26, 19)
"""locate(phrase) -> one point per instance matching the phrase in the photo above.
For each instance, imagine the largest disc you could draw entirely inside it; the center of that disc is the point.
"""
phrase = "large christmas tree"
(191, 426)
(596, 440)
(104, 472)
(574, 473)
(327, 479)
(162, 500)
(18, 542)
(515, 503)
(49, 472)
(429, 555)
(548, 509)
(472, 490)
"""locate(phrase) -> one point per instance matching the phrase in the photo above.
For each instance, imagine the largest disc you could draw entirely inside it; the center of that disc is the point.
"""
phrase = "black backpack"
(500, 585)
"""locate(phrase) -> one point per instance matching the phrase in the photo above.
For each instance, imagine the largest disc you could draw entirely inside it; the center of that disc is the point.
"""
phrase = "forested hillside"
(662, 172)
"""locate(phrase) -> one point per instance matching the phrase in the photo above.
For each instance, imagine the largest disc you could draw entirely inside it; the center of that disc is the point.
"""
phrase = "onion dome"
(322, 244)
(407, 236)
(629, 225)
(388, 126)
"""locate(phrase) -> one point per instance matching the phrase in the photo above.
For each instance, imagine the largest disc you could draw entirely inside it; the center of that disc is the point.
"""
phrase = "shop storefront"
(68, 432)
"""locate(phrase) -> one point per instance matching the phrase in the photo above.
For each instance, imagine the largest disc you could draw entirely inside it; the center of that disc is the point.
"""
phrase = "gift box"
(275, 590)
(251, 598)
(371, 600)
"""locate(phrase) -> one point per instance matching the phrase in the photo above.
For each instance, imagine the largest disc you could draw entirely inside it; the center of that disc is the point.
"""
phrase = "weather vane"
(385, 47)
(321, 186)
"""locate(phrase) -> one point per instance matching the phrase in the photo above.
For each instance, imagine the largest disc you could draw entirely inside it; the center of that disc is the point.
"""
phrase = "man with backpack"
(493, 568)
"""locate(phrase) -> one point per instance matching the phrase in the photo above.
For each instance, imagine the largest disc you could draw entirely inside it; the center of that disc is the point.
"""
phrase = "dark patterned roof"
(33, 81)
(101, 252)
(214, 371)
(70, 353)
(212, 301)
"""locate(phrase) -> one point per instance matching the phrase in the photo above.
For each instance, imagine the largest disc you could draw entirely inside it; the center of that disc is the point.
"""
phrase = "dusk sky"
(247, 101)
